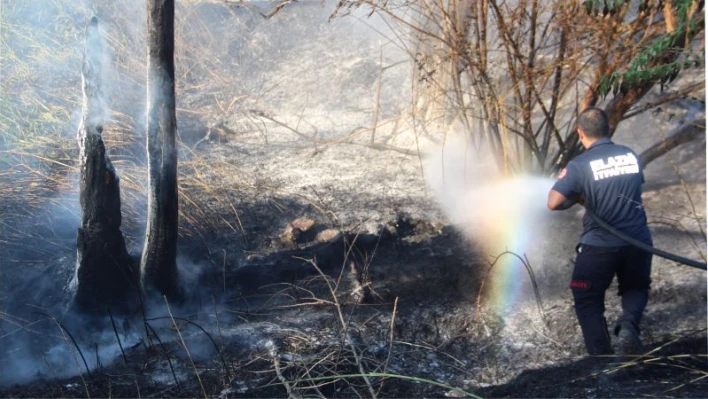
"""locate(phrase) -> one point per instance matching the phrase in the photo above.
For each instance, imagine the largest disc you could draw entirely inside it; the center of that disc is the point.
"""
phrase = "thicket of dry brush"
(515, 74)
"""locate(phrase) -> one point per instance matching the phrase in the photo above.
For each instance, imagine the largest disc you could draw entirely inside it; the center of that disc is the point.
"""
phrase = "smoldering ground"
(242, 186)
(43, 52)
(39, 234)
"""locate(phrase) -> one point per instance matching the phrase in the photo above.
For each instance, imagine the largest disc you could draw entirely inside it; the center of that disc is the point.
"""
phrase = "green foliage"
(659, 62)
(595, 7)
(634, 77)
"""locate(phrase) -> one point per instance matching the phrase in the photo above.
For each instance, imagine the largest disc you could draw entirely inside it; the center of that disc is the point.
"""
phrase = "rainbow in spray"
(504, 216)
(499, 214)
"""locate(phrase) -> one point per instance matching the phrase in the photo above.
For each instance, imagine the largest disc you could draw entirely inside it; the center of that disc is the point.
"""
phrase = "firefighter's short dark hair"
(594, 123)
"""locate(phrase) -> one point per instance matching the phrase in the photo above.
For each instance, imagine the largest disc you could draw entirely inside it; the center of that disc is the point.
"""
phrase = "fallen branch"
(371, 145)
(666, 98)
(687, 132)
(384, 147)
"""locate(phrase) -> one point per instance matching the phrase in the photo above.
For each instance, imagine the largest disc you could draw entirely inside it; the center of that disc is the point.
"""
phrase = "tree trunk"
(105, 273)
(159, 260)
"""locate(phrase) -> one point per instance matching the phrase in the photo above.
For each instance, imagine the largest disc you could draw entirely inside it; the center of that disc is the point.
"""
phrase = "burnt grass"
(671, 372)
(405, 312)
(392, 292)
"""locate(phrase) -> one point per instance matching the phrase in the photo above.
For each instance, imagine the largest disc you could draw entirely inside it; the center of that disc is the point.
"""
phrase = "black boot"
(628, 342)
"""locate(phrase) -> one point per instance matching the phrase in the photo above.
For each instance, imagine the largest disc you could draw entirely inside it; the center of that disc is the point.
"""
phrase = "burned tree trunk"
(159, 260)
(105, 273)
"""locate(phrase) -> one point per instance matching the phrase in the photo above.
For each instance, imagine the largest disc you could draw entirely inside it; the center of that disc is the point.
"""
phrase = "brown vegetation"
(516, 74)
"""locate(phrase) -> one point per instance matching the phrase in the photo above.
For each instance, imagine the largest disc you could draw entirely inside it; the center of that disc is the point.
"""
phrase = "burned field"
(317, 255)
(340, 315)
(286, 299)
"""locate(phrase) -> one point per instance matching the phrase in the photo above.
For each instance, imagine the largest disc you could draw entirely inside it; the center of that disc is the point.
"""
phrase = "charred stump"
(159, 261)
(105, 273)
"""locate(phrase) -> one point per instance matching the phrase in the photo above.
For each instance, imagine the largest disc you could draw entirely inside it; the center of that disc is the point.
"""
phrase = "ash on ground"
(318, 265)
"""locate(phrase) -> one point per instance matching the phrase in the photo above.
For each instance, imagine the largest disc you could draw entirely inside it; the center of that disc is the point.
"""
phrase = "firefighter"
(607, 179)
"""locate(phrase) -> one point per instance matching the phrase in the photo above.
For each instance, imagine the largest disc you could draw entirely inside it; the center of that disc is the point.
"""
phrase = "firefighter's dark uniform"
(609, 178)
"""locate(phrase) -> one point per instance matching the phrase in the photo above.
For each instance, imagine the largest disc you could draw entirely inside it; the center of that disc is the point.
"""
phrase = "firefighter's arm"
(558, 201)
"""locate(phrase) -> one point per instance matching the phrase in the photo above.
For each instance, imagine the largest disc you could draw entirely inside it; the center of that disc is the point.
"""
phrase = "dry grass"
(38, 173)
(42, 52)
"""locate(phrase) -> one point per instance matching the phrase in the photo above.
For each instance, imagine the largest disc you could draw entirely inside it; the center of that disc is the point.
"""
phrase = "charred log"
(105, 273)
(159, 261)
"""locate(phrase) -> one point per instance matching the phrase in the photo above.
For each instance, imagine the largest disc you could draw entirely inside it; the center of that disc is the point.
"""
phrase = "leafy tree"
(515, 74)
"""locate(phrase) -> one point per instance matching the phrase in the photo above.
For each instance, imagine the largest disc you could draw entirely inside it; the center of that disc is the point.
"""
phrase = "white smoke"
(61, 358)
(288, 39)
(47, 41)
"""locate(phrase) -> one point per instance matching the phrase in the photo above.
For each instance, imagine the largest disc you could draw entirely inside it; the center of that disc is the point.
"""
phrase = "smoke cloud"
(30, 360)
(222, 52)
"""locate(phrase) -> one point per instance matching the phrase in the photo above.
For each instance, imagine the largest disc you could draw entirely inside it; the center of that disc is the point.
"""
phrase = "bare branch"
(689, 131)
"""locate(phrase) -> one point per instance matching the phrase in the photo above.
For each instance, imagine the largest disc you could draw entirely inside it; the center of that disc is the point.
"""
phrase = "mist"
(295, 115)
(271, 67)
(498, 214)
(477, 196)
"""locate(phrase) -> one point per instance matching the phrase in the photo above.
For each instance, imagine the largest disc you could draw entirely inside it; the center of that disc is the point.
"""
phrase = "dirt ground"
(263, 321)
(420, 334)
(385, 296)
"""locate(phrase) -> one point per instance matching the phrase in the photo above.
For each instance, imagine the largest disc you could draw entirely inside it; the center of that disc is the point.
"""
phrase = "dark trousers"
(595, 267)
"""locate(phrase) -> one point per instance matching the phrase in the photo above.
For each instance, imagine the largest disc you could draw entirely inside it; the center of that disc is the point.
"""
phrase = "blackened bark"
(159, 260)
(105, 276)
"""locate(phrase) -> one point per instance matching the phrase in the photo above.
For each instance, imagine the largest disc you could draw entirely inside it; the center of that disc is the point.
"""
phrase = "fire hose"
(643, 246)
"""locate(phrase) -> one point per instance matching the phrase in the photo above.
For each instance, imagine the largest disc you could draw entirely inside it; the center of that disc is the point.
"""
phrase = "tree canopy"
(516, 74)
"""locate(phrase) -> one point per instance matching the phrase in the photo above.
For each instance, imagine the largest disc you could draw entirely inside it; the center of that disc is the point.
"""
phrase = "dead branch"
(689, 131)
(666, 98)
